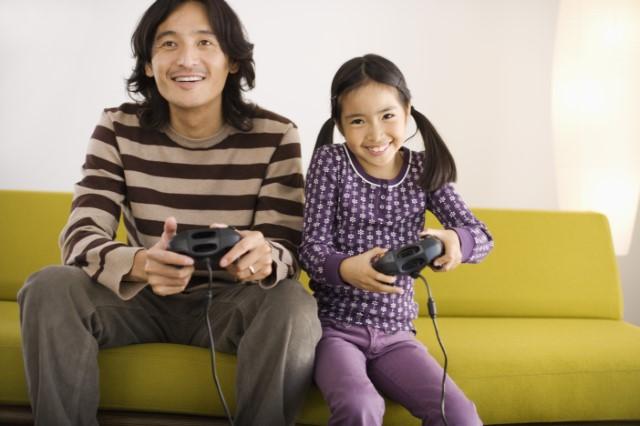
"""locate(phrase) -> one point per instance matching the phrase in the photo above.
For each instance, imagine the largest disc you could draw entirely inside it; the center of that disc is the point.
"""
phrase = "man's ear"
(148, 71)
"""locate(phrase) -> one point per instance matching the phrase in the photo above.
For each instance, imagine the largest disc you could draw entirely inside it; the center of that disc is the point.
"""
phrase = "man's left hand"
(250, 259)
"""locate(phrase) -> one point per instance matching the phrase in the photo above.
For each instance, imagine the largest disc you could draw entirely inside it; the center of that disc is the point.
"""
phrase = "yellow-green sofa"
(534, 334)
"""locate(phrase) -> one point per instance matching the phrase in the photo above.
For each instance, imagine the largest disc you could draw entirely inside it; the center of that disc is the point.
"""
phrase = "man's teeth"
(189, 78)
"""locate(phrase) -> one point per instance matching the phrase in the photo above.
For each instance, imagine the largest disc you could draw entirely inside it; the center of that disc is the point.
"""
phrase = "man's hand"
(452, 253)
(357, 271)
(166, 272)
(250, 259)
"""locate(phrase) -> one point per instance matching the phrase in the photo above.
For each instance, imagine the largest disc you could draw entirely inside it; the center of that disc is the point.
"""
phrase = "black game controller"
(410, 259)
(205, 243)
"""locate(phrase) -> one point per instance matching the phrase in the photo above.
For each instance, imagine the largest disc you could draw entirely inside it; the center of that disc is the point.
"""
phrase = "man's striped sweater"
(248, 180)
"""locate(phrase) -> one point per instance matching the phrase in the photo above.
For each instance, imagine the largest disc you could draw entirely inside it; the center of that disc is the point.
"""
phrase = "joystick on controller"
(205, 243)
(410, 259)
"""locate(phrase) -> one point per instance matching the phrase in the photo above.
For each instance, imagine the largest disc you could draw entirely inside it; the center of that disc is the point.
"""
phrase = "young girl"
(364, 197)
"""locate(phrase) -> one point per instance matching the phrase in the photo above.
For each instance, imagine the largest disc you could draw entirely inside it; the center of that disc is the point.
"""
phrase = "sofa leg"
(17, 415)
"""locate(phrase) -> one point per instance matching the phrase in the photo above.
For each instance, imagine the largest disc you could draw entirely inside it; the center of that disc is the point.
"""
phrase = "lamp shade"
(596, 111)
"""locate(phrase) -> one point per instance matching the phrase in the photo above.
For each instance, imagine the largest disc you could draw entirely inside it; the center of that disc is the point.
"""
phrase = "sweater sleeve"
(279, 208)
(318, 254)
(453, 213)
(88, 239)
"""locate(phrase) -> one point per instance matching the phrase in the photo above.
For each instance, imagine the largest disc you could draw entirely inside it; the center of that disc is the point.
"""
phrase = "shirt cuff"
(284, 265)
(118, 264)
(332, 269)
(467, 242)
(278, 273)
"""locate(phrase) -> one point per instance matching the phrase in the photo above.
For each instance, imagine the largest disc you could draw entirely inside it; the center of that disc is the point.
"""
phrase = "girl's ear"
(233, 67)
(148, 71)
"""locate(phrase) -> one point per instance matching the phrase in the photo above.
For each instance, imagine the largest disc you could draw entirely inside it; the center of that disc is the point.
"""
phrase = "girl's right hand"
(357, 271)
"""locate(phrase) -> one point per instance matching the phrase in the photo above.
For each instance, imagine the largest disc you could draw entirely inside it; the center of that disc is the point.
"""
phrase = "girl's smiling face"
(373, 122)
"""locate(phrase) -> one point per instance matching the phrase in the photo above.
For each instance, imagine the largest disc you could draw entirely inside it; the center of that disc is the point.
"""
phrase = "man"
(191, 154)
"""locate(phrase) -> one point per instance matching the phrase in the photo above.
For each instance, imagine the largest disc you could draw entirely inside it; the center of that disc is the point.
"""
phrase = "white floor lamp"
(596, 111)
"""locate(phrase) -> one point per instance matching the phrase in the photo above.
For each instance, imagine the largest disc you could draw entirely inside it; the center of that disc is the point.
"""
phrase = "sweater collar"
(359, 170)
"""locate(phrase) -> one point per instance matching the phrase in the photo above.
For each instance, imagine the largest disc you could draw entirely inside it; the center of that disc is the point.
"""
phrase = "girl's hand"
(357, 271)
(452, 256)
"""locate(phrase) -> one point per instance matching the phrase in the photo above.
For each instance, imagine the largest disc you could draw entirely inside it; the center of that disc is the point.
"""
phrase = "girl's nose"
(374, 132)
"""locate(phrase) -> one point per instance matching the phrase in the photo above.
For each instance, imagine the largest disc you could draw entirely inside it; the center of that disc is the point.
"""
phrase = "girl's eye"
(356, 121)
(388, 116)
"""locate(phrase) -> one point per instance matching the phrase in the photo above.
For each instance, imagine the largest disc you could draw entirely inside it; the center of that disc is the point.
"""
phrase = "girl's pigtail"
(325, 137)
(439, 166)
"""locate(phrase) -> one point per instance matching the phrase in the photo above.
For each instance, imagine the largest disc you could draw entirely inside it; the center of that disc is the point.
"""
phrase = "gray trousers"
(66, 318)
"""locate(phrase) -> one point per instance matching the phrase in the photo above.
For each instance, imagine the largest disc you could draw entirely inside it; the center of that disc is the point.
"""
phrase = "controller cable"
(212, 349)
(431, 306)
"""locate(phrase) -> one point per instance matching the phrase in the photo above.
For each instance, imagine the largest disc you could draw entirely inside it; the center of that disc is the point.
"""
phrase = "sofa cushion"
(515, 369)
(153, 377)
(539, 369)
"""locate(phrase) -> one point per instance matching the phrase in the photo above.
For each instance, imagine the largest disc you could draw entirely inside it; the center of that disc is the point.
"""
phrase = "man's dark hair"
(228, 29)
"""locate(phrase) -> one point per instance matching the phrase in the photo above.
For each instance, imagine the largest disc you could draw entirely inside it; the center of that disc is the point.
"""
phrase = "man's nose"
(188, 56)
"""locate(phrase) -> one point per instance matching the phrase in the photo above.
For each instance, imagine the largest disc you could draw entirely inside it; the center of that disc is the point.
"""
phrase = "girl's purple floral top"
(348, 212)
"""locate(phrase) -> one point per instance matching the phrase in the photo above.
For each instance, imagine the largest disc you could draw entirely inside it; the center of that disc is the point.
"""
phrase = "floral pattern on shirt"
(348, 212)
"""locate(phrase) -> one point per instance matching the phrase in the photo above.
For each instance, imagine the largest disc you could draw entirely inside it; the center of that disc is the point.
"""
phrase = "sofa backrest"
(32, 221)
(544, 264)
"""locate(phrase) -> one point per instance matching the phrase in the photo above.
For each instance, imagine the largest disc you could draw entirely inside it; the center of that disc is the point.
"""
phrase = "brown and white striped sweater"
(249, 180)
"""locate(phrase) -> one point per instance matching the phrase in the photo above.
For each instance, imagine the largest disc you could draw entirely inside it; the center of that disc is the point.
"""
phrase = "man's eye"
(206, 43)
(168, 43)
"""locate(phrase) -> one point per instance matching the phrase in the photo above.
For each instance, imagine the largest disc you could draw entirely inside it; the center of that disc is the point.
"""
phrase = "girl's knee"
(460, 410)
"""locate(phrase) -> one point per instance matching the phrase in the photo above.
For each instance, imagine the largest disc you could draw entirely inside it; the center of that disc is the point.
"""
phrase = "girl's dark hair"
(439, 166)
(154, 111)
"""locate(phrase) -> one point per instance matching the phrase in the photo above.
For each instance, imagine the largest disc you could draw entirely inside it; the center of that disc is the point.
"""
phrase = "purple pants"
(356, 365)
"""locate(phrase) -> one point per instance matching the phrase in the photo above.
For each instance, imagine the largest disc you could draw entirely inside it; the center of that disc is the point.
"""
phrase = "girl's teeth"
(378, 148)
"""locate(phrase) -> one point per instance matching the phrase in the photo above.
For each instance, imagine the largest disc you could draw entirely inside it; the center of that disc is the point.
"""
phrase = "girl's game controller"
(410, 259)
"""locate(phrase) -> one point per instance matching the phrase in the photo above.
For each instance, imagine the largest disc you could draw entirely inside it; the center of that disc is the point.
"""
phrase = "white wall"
(480, 70)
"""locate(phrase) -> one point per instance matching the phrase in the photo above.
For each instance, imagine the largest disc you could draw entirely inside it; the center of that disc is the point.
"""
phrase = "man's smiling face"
(188, 65)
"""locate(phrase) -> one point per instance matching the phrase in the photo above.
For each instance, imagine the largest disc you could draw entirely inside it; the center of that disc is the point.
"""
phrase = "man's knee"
(292, 302)
(49, 286)
(290, 305)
